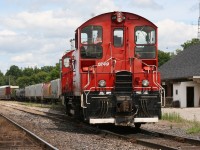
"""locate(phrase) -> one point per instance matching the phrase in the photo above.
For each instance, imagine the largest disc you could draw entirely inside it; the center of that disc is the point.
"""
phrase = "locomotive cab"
(114, 77)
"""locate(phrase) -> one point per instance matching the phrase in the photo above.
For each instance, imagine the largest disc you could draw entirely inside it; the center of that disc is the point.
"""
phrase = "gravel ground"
(68, 135)
(179, 129)
(74, 137)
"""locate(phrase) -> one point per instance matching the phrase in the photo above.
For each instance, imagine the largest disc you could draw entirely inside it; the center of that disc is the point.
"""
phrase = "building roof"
(184, 65)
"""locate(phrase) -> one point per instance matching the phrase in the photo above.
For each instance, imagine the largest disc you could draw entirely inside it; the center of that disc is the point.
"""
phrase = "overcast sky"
(37, 32)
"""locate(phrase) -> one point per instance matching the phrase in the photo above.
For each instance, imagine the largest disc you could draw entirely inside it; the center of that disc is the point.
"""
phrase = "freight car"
(55, 89)
(7, 91)
(20, 94)
(50, 91)
(111, 76)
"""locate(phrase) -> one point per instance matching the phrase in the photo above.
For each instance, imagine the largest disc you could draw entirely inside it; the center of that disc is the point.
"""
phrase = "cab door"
(119, 49)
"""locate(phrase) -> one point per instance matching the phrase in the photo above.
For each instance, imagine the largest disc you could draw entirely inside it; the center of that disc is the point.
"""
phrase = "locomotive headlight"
(145, 83)
(102, 83)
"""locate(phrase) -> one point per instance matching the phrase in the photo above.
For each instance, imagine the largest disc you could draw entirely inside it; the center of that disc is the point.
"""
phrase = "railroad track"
(14, 136)
(150, 139)
(153, 139)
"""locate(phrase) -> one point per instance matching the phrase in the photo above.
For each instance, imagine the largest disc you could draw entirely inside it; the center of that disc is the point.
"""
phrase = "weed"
(172, 117)
(175, 117)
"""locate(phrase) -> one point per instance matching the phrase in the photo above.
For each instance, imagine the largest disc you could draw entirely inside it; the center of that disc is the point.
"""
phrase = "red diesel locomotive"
(112, 76)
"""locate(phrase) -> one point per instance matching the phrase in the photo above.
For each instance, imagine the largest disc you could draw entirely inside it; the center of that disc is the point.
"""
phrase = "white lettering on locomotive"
(103, 64)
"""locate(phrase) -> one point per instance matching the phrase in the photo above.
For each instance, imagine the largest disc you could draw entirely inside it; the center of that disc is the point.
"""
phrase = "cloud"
(151, 4)
(172, 34)
(38, 32)
(22, 58)
(6, 33)
(45, 23)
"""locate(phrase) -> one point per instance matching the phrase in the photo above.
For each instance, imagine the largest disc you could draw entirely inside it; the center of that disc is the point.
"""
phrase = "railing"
(113, 62)
(155, 81)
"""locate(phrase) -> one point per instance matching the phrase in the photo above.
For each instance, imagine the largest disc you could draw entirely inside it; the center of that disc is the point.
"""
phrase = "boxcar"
(7, 91)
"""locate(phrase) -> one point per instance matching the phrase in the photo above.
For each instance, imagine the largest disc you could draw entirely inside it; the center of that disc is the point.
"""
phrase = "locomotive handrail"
(111, 50)
(162, 90)
(88, 76)
(155, 80)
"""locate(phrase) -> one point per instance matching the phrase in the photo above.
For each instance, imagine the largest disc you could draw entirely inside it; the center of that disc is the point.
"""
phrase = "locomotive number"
(103, 64)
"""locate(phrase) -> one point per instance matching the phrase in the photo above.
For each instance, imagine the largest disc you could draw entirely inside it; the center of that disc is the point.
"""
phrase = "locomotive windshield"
(91, 35)
(91, 40)
(145, 38)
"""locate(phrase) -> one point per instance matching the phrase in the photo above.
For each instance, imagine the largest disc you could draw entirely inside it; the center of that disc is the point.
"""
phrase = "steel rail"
(138, 140)
(153, 139)
(42, 143)
(172, 137)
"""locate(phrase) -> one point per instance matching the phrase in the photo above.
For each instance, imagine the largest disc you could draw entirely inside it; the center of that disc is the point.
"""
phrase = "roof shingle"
(184, 65)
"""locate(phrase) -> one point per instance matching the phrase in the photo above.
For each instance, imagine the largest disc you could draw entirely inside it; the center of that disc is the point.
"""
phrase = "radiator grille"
(123, 82)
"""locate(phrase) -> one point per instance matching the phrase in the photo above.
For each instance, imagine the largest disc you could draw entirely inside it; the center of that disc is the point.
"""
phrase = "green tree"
(12, 74)
(163, 57)
(2, 79)
(41, 77)
(23, 81)
(14, 71)
(190, 43)
(28, 71)
(29, 76)
(47, 68)
(54, 74)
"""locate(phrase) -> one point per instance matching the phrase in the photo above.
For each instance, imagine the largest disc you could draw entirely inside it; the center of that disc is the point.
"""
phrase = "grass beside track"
(194, 126)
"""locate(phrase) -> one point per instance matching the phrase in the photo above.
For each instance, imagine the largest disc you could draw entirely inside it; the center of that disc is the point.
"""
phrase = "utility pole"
(198, 36)
(9, 79)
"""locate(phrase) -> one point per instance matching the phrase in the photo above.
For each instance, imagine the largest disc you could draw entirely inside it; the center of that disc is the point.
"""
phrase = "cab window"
(91, 40)
(145, 52)
(145, 35)
(118, 37)
(91, 35)
(91, 51)
(145, 39)
(66, 62)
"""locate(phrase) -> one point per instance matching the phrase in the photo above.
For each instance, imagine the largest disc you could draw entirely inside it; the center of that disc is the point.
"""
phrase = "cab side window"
(66, 62)
(91, 40)
(91, 35)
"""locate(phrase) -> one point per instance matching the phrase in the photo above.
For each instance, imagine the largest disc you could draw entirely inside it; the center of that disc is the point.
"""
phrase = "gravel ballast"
(67, 135)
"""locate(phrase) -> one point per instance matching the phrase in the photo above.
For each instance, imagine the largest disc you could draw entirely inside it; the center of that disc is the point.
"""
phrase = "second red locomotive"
(112, 76)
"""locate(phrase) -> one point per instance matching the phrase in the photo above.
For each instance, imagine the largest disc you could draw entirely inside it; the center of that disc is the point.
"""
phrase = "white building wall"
(180, 92)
